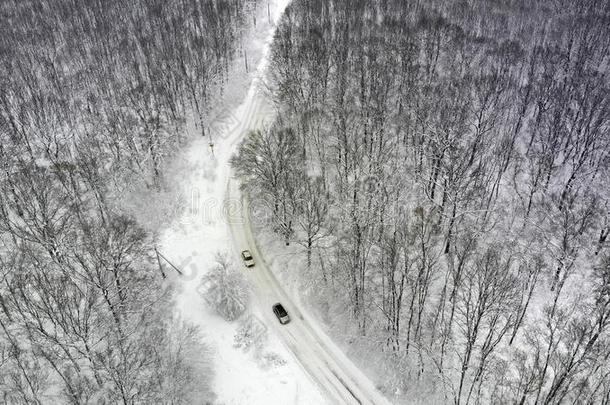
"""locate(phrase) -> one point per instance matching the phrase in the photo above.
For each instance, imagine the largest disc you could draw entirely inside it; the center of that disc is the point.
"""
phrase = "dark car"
(281, 313)
(247, 258)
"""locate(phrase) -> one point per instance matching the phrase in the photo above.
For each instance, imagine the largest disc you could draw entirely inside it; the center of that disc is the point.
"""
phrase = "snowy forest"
(94, 97)
(441, 169)
(444, 168)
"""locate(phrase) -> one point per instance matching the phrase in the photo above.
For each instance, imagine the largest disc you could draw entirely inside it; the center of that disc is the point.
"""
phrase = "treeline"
(93, 96)
(446, 167)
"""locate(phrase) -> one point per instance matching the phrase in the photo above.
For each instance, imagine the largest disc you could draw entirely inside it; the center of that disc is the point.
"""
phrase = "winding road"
(335, 374)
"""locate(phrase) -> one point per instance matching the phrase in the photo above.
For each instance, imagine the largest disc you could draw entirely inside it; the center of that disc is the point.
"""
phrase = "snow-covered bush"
(224, 288)
(251, 333)
(271, 359)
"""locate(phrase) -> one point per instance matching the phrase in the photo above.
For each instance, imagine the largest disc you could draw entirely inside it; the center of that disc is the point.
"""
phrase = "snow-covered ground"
(268, 374)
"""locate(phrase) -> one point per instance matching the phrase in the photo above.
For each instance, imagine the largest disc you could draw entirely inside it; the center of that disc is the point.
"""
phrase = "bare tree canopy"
(94, 96)
(460, 157)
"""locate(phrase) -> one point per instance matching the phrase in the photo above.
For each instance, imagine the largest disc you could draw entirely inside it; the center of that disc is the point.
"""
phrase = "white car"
(247, 258)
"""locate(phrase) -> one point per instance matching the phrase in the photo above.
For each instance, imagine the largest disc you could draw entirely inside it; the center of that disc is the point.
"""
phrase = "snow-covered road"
(343, 382)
